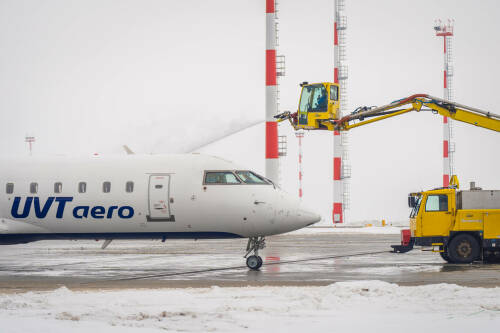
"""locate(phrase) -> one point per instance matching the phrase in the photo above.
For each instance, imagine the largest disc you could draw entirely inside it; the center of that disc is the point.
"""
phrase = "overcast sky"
(164, 76)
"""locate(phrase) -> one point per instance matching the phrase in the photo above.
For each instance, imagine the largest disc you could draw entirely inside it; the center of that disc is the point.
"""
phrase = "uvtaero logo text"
(59, 204)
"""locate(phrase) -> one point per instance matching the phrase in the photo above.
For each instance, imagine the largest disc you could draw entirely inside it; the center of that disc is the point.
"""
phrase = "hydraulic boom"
(311, 116)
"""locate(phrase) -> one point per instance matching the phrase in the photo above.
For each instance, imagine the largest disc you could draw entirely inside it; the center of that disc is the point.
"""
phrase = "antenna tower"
(341, 167)
(445, 30)
(30, 140)
(300, 136)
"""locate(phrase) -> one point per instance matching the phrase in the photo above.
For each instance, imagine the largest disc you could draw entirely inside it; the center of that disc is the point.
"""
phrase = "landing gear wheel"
(463, 249)
(254, 262)
(255, 244)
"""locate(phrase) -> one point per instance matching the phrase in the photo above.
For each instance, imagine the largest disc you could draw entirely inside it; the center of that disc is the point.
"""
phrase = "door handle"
(447, 212)
(258, 202)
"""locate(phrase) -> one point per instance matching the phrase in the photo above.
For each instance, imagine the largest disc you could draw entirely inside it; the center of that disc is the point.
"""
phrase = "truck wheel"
(463, 249)
(444, 254)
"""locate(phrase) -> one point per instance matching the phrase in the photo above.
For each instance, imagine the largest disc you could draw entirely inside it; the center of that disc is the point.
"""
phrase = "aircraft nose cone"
(307, 216)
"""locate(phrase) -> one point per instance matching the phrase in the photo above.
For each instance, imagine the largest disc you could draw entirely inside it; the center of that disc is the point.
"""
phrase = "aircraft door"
(159, 199)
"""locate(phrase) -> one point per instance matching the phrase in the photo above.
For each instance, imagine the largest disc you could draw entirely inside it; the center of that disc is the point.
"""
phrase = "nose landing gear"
(254, 262)
(255, 244)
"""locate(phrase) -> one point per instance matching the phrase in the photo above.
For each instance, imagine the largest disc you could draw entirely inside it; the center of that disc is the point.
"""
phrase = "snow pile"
(388, 230)
(377, 223)
(363, 306)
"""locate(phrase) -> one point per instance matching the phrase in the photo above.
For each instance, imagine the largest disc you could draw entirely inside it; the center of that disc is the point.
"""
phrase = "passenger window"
(57, 187)
(334, 93)
(33, 188)
(129, 187)
(82, 187)
(106, 187)
(9, 188)
(250, 178)
(437, 203)
(221, 177)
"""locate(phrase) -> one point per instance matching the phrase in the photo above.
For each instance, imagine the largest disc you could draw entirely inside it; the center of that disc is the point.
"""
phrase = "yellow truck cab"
(318, 106)
(463, 226)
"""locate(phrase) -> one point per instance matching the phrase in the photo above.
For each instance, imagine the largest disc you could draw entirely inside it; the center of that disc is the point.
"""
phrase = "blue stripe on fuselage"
(6, 239)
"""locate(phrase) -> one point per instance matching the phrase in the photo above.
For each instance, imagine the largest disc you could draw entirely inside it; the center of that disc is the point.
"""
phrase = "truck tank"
(478, 199)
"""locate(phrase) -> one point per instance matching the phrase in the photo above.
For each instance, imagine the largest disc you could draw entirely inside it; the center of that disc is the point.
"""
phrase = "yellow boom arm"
(443, 107)
(319, 104)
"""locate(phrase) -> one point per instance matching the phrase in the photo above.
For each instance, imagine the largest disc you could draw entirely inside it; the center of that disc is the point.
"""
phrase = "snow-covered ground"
(362, 306)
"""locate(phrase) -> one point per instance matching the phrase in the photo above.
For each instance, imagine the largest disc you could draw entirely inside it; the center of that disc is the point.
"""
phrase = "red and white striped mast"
(30, 140)
(340, 167)
(300, 135)
(445, 30)
(272, 162)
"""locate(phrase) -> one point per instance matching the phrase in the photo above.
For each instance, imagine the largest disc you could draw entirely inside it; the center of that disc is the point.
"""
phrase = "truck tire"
(463, 249)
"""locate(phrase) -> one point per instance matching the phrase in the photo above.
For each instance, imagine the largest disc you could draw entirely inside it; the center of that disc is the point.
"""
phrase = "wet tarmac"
(293, 259)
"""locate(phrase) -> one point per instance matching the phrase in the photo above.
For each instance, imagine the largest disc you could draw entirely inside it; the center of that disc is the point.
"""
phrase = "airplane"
(179, 196)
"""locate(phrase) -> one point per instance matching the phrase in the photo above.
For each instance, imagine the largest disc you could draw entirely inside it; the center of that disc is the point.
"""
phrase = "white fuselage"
(134, 196)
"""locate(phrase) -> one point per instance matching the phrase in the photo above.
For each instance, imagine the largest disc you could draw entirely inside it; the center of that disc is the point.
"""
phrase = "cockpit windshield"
(221, 177)
(231, 177)
(415, 208)
(249, 177)
(313, 99)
